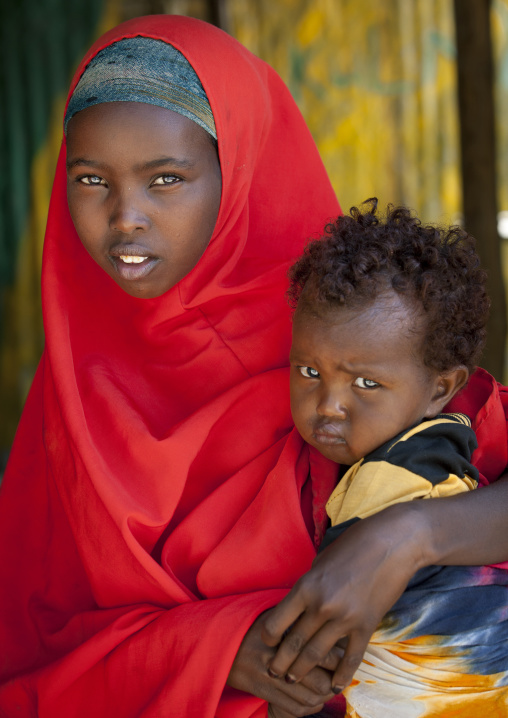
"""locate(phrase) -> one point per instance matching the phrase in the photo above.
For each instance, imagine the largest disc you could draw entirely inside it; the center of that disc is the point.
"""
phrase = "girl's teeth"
(132, 260)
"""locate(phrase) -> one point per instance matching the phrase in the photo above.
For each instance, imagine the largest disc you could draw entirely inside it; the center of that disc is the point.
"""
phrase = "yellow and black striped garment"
(443, 648)
(428, 460)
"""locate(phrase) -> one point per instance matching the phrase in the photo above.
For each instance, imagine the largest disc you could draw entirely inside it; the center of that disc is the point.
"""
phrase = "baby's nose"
(332, 404)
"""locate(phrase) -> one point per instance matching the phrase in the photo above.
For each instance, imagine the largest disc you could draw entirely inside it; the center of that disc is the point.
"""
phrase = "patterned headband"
(142, 69)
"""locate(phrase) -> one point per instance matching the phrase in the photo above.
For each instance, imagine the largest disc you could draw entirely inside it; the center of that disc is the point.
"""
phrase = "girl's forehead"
(137, 137)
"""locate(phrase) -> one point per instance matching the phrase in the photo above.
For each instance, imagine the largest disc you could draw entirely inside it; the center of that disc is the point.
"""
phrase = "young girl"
(152, 495)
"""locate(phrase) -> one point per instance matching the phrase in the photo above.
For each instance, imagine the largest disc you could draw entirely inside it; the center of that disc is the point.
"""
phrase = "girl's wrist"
(411, 532)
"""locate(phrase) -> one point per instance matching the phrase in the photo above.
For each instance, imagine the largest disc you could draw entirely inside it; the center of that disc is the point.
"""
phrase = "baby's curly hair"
(437, 268)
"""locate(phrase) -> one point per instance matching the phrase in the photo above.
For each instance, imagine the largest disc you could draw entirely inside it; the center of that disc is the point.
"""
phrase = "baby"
(389, 323)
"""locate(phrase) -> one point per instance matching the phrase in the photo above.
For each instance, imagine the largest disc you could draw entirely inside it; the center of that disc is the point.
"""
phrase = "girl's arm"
(359, 577)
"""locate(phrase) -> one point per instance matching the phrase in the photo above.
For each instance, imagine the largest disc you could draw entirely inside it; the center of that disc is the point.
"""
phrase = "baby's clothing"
(428, 460)
(443, 648)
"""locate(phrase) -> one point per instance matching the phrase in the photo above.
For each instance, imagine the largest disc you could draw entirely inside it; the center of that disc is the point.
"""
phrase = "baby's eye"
(365, 383)
(92, 180)
(308, 372)
(165, 180)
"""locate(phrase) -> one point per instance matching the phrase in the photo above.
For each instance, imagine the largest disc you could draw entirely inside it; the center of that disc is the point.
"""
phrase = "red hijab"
(154, 492)
(151, 502)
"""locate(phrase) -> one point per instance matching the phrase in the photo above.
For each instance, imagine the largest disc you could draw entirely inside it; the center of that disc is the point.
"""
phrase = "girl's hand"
(350, 587)
(274, 712)
(249, 673)
(359, 577)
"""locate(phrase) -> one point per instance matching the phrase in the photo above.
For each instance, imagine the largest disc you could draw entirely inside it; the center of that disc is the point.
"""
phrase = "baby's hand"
(350, 587)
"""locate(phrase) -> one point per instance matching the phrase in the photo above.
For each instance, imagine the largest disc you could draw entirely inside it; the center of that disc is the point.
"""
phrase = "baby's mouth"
(328, 434)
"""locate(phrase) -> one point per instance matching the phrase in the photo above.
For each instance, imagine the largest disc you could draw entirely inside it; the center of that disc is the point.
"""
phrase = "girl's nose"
(127, 215)
(332, 404)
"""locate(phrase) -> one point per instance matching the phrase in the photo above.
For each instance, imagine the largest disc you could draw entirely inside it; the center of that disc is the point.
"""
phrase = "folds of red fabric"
(151, 508)
(151, 499)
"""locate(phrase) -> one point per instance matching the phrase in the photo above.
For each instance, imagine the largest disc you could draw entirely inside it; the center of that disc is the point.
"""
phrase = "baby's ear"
(447, 385)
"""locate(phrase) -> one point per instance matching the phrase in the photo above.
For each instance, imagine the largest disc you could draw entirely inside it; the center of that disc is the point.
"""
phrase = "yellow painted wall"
(22, 335)
(376, 82)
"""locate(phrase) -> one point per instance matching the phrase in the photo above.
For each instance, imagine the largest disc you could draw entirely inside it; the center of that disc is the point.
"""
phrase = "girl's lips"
(133, 267)
(128, 259)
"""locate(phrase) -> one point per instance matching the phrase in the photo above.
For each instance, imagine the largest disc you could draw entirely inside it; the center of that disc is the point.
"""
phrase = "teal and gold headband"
(141, 69)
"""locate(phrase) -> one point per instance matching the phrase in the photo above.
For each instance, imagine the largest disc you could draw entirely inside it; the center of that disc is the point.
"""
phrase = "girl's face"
(144, 189)
(357, 377)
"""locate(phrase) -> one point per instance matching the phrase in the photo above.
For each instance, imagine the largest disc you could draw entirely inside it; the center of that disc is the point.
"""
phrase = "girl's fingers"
(356, 647)
(319, 681)
(280, 618)
(298, 700)
(332, 659)
(295, 642)
(349, 588)
(274, 712)
(248, 673)
(313, 652)
(306, 609)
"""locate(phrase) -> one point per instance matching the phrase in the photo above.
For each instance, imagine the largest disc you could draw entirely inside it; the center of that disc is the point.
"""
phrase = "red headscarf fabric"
(140, 535)
(154, 492)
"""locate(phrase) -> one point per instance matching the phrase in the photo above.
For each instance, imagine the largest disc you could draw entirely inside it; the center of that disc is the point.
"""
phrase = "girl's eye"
(165, 180)
(92, 180)
(308, 372)
(365, 383)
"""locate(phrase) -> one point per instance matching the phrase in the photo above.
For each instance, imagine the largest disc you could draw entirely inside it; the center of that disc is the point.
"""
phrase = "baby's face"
(144, 188)
(357, 378)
